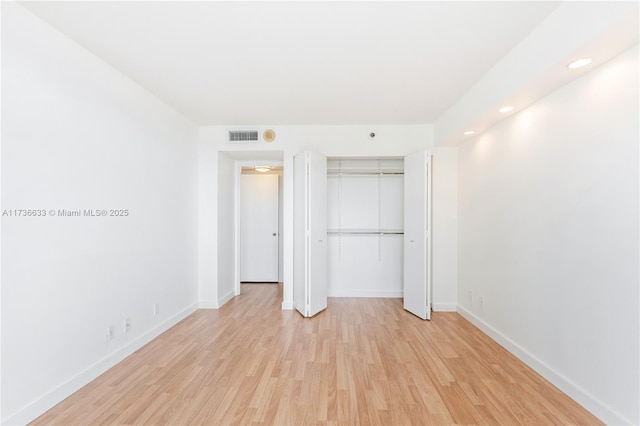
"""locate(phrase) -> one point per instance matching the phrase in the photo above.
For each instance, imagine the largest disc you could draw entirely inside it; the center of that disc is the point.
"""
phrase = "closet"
(362, 227)
(365, 205)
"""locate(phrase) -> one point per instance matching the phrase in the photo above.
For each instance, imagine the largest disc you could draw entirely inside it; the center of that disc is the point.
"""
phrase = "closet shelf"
(341, 172)
(365, 232)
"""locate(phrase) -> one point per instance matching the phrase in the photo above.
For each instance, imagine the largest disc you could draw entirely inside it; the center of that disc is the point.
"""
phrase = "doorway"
(260, 224)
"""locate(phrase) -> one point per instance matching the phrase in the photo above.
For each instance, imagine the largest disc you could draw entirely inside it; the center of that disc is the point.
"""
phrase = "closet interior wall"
(365, 229)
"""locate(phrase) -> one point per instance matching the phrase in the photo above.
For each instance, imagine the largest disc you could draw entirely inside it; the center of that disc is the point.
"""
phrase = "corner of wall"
(444, 307)
(287, 305)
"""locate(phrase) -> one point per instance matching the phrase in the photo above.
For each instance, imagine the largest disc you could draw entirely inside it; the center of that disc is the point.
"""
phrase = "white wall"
(548, 237)
(208, 226)
(77, 134)
(333, 141)
(445, 229)
(226, 224)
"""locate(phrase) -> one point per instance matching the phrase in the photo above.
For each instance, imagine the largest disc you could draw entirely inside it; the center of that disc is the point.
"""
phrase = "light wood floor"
(362, 361)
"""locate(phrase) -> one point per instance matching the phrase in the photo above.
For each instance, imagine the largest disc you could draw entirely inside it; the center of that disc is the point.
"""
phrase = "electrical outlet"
(127, 324)
(156, 309)
(109, 333)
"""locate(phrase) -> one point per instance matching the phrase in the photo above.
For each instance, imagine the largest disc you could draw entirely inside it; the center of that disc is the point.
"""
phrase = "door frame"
(238, 165)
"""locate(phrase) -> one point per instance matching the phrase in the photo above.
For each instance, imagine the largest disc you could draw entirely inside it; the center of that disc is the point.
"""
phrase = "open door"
(417, 234)
(310, 233)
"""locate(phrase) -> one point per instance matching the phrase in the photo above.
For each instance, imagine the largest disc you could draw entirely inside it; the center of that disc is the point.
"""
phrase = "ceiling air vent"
(242, 136)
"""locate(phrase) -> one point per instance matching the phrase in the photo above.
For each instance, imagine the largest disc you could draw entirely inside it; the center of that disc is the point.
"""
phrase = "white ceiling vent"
(242, 136)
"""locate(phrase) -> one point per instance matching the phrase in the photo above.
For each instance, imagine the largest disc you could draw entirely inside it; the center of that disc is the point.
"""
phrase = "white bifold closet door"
(417, 234)
(310, 233)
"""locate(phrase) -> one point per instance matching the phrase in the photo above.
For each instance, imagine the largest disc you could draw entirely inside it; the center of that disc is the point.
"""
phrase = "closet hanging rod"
(367, 173)
(365, 232)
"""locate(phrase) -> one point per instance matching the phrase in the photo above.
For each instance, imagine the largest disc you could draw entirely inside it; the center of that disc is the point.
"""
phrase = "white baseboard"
(224, 299)
(208, 304)
(364, 293)
(444, 307)
(582, 397)
(216, 304)
(287, 305)
(52, 398)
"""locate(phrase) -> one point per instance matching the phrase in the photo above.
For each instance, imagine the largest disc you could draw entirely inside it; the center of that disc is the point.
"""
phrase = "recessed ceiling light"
(262, 168)
(506, 108)
(469, 132)
(579, 63)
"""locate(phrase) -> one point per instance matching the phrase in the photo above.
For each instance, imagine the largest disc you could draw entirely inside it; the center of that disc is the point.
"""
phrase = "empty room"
(320, 212)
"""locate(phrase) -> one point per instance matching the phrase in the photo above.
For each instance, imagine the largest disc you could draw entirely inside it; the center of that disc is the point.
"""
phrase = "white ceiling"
(268, 63)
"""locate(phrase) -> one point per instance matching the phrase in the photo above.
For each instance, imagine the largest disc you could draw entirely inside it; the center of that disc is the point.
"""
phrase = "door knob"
(274, 234)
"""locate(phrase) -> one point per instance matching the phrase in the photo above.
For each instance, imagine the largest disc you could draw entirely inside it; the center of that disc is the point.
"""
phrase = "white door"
(417, 234)
(258, 228)
(310, 233)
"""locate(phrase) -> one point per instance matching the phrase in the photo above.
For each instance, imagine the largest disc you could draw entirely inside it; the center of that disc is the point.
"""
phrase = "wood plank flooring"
(362, 361)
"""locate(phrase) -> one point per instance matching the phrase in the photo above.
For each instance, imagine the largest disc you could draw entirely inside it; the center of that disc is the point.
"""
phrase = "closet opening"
(365, 227)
